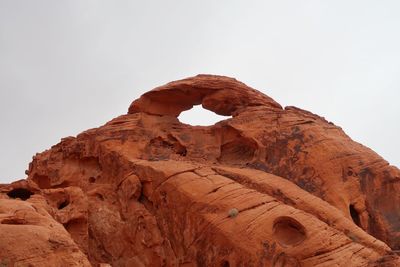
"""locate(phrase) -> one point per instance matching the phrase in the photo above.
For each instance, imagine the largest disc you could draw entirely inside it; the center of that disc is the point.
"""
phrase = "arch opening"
(198, 116)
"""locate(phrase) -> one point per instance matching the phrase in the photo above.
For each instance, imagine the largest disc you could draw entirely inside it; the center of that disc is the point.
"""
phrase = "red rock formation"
(268, 187)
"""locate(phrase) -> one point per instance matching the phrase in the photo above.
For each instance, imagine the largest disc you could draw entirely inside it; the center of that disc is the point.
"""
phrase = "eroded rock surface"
(268, 187)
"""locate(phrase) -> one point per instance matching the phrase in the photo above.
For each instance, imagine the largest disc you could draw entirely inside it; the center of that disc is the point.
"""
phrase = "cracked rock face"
(268, 187)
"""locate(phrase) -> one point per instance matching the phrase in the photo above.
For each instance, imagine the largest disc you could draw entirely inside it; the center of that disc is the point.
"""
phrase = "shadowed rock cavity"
(21, 193)
(289, 232)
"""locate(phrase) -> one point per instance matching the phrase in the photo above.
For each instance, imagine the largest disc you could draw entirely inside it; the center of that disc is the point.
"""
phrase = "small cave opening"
(21, 193)
(63, 204)
(288, 231)
(198, 116)
(355, 216)
(225, 264)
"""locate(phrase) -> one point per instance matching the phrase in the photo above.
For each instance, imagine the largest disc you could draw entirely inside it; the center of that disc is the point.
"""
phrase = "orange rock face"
(268, 187)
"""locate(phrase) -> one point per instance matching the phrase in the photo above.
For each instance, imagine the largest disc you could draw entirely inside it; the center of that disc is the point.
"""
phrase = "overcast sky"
(66, 66)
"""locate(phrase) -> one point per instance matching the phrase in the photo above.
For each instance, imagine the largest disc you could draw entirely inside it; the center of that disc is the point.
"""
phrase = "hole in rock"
(354, 215)
(198, 116)
(21, 193)
(225, 264)
(63, 204)
(289, 232)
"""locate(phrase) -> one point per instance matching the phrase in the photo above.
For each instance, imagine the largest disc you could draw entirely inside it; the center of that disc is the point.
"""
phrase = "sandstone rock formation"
(268, 187)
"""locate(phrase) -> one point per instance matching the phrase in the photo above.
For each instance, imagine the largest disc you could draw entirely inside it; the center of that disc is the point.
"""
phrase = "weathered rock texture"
(268, 187)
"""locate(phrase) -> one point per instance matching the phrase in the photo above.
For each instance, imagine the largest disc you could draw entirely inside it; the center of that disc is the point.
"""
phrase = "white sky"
(66, 66)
